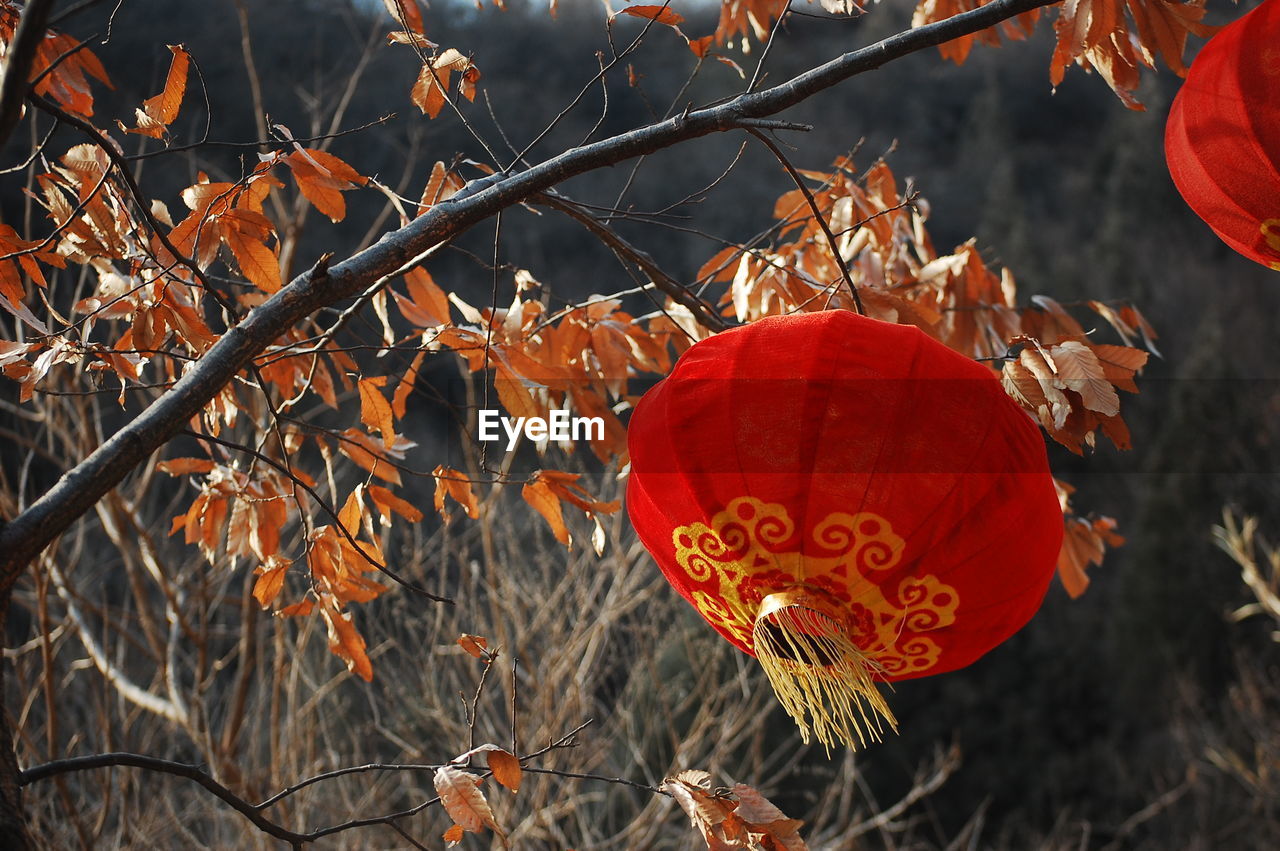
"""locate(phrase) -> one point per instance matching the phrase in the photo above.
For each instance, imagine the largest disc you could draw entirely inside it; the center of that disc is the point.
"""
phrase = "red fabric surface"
(857, 457)
(1222, 140)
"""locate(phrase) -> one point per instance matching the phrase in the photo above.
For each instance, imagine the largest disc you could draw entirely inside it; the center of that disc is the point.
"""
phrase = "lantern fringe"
(826, 684)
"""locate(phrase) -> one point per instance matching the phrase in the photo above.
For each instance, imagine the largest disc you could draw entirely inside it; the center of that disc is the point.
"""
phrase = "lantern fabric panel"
(862, 466)
(1222, 139)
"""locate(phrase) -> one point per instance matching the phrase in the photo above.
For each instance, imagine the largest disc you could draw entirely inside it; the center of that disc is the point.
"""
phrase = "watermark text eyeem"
(559, 427)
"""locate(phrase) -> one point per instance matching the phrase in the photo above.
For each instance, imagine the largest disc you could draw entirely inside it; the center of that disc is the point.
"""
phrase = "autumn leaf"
(660, 14)
(375, 410)
(322, 178)
(1097, 35)
(406, 13)
(462, 799)
(63, 66)
(691, 790)
(1084, 542)
(505, 767)
(1080, 548)
(387, 503)
(245, 232)
(753, 17)
(442, 184)
(502, 764)
(158, 112)
(427, 306)
(299, 609)
(453, 484)
(1120, 363)
(700, 46)
(540, 496)
(185, 466)
(475, 645)
(270, 580)
(759, 815)
(430, 92)
(12, 291)
(548, 488)
(373, 457)
(344, 641)
(1078, 369)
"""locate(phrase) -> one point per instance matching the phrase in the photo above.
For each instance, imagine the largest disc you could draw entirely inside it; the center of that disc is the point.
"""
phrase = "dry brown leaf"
(245, 233)
(760, 816)
(344, 640)
(455, 485)
(270, 580)
(462, 799)
(1078, 369)
(185, 466)
(502, 763)
(303, 607)
(660, 14)
(427, 305)
(322, 178)
(706, 812)
(362, 449)
(431, 90)
(158, 112)
(387, 502)
(375, 410)
(1120, 363)
(1053, 412)
(539, 494)
(476, 645)
(505, 767)
(405, 13)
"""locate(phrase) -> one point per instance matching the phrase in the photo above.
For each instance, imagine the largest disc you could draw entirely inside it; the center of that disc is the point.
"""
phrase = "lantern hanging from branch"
(848, 501)
(1222, 140)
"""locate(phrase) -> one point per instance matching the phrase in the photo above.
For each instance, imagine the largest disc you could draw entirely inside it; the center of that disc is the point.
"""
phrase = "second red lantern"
(847, 500)
(1222, 140)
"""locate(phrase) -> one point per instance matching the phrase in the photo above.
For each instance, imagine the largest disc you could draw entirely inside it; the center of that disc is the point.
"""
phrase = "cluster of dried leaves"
(157, 300)
(1054, 369)
(733, 818)
(1115, 38)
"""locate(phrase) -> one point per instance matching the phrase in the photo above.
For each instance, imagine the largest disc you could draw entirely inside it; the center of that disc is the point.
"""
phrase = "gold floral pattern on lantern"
(750, 550)
(1270, 230)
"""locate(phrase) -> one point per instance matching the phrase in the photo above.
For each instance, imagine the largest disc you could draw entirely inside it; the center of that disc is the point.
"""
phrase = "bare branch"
(817, 214)
(164, 766)
(17, 67)
(679, 294)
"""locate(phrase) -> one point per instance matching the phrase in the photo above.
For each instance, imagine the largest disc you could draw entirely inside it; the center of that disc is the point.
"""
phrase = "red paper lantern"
(1222, 141)
(847, 500)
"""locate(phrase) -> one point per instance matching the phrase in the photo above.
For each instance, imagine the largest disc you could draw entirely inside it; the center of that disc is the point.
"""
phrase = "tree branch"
(817, 215)
(178, 769)
(17, 67)
(46, 518)
(679, 294)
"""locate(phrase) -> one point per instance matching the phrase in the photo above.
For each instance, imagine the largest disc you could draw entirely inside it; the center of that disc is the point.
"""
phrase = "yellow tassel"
(822, 679)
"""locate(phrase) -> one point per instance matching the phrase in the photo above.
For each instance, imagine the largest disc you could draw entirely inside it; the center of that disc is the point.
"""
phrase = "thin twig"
(164, 766)
(664, 282)
(817, 214)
